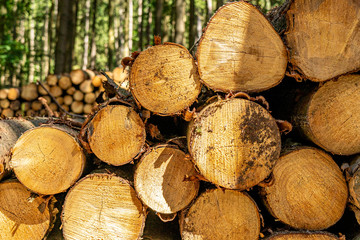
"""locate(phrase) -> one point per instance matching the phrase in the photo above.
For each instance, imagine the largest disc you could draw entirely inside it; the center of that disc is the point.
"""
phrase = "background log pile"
(195, 152)
(75, 93)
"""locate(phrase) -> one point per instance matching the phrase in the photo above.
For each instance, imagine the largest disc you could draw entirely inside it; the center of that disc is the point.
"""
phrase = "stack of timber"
(195, 152)
(75, 93)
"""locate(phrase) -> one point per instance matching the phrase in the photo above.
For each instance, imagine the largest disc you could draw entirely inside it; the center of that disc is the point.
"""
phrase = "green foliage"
(11, 52)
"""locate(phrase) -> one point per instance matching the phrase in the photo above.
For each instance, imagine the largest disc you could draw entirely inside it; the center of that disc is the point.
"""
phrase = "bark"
(317, 184)
(71, 51)
(31, 45)
(131, 19)
(93, 35)
(111, 40)
(46, 48)
(149, 31)
(86, 38)
(192, 24)
(180, 23)
(141, 18)
(158, 17)
(148, 85)
(209, 9)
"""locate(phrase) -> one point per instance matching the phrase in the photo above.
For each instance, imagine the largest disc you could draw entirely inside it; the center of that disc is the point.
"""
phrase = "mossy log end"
(20, 218)
(221, 215)
(164, 79)
(48, 159)
(102, 206)
(234, 143)
(330, 115)
(116, 134)
(159, 179)
(241, 51)
(323, 37)
(308, 192)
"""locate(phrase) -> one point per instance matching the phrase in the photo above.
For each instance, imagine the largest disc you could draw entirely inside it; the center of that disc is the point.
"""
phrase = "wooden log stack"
(195, 152)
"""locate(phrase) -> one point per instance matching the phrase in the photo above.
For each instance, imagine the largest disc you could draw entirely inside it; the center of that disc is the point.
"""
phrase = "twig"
(57, 103)
(48, 109)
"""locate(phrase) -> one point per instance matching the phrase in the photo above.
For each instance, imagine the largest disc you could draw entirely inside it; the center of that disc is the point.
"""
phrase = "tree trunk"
(234, 162)
(192, 24)
(159, 179)
(237, 57)
(32, 44)
(64, 37)
(102, 134)
(86, 38)
(307, 181)
(329, 116)
(180, 23)
(93, 35)
(141, 18)
(126, 31)
(21, 218)
(71, 50)
(130, 14)
(300, 235)
(316, 58)
(164, 79)
(149, 31)
(209, 9)
(158, 17)
(110, 202)
(46, 48)
(219, 3)
(221, 215)
(111, 40)
(50, 167)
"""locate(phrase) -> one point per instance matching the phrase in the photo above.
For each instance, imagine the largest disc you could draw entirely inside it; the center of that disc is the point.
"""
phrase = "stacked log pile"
(194, 151)
(75, 93)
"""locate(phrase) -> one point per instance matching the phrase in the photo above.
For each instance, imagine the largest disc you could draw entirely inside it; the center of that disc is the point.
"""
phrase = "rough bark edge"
(181, 112)
(203, 36)
(109, 174)
(280, 233)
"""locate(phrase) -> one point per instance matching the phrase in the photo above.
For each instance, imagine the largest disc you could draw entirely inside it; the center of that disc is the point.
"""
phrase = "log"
(301, 235)
(164, 79)
(10, 131)
(47, 98)
(90, 73)
(36, 105)
(15, 105)
(66, 107)
(7, 112)
(48, 159)
(234, 143)
(90, 97)
(13, 94)
(86, 86)
(29, 92)
(25, 106)
(102, 206)
(240, 51)
(71, 91)
(56, 91)
(64, 82)
(120, 75)
(309, 191)
(53, 106)
(333, 52)
(97, 81)
(87, 108)
(77, 76)
(4, 93)
(159, 179)
(329, 116)
(4, 103)
(41, 90)
(60, 100)
(221, 214)
(78, 95)
(19, 217)
(52, 79)
(77, 107)
(30, 113)
(68, 99)
(119, 130)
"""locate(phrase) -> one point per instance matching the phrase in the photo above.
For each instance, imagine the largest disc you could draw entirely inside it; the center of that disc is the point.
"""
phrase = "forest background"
(39, 37)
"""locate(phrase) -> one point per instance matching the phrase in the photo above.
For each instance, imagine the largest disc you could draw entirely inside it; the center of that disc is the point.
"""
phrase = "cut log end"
(164, 79)
(302, 236)
(19, 218)
(116, 134)
(102, 206)
(218, 214)
(234, 143)
(159, 180)
(307, 181)
(241, 51)
(47, 160)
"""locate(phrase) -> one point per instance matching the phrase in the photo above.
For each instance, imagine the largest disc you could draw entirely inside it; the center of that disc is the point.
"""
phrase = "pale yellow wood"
(7, 112)
(86, 86)
(77, 76)
(77, 107)
(96, 81)
(41, 90)
(64, 82)
(309, 190)
(87, 108)
(78, 95)
(56, 91)
(4, 93)
(52, 79)
(116, 134)
(330, 116)
(102, 206)
(120, 75)
(29, 92)
(4, 103)
(323, 37)
(90, 97)
(71, 91)
(47, 160)
(164, 79)
(36, 105)
(21, 219)
(235, 143)
(221, 215)
(241, 51)
(13, 93)
(159, 179)
(68, 99)
(302, 236)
